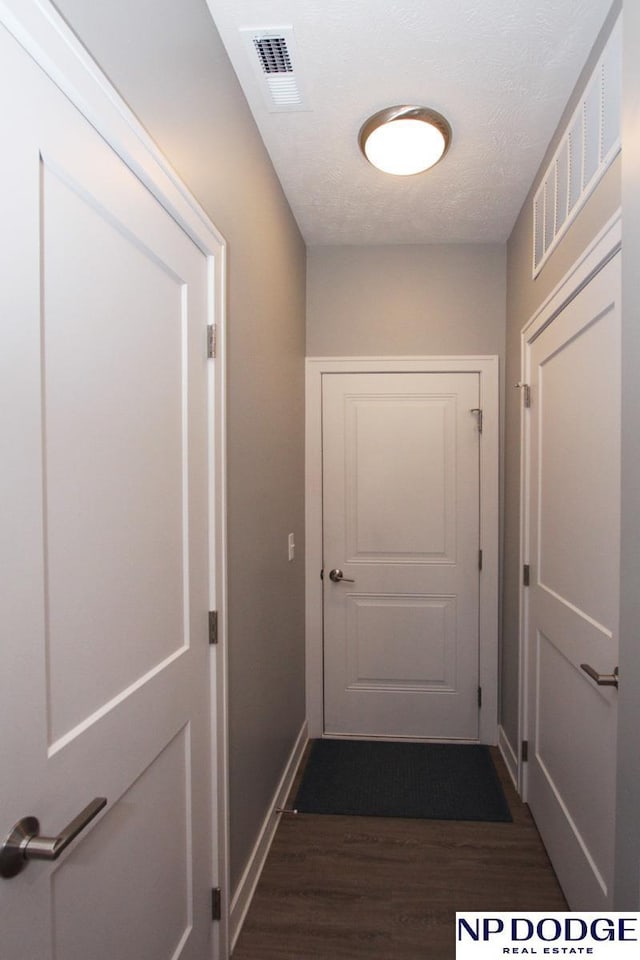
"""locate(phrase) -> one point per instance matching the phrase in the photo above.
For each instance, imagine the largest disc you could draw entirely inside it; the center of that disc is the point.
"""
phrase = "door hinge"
(526, 393)
(478, 413)
(479, 696)
(213, 626)
(479, 559)
(216, 903)
(526, 575)
(322, 574)
(211, 341)
(524, 751)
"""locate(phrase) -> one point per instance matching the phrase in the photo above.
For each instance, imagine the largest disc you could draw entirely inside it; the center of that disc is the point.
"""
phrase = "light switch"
(292, 548)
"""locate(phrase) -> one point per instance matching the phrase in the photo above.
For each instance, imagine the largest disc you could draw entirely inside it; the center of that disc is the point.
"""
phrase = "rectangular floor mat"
(432, 781)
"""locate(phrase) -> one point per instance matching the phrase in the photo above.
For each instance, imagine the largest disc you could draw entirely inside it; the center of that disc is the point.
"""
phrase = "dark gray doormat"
(434, 781)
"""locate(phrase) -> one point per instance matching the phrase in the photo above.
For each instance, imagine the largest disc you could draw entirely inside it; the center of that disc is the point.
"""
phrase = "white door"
(104, 552)
(401, 523)
(573, 602)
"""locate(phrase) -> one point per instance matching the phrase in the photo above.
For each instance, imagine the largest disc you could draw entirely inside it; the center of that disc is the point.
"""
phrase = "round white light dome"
(405, 140)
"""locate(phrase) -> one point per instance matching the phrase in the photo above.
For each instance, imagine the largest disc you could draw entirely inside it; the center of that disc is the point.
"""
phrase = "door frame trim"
(604, 246)
(487, 367)
(41, 31)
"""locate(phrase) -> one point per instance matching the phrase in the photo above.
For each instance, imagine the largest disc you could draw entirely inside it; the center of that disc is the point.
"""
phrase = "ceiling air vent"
(273, 58)
(274, 54)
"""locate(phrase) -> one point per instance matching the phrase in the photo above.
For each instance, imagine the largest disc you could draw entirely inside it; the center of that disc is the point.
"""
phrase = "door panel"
(122, 615)
(414, 665)
(387, 509)
(573, 604)
(105, 557)
(401, 501)
(137, 839)
(577, 404)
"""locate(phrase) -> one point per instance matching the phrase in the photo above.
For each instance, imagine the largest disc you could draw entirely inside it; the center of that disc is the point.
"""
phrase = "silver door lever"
(24, 842)
(338, 576)
(602, 679)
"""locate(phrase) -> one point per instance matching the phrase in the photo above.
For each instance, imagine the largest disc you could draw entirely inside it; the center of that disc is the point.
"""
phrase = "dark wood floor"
(345, 888)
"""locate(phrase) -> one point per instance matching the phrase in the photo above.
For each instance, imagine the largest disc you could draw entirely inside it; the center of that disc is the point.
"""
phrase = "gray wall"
(446, 299)
(628, 834)
(524, 296)
(167, 61)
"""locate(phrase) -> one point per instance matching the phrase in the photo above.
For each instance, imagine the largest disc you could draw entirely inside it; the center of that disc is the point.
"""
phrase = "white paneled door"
(104, 547)
(401, 554)
(573, 599)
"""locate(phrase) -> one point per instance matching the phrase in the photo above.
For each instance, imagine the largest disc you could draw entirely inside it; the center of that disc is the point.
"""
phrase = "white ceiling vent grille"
(588, 146)
(273, 58)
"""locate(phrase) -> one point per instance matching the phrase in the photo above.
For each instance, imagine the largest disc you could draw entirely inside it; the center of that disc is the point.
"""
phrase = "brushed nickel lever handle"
(24, 842)
(602, 679)
(338, 576)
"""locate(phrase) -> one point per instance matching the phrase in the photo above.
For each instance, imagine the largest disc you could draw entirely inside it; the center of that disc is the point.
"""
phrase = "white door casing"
(400, 511)
(571, 358)
(345, 600)
(109, 563)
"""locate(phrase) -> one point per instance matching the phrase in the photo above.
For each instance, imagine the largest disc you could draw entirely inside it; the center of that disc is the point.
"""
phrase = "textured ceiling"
(501, 71)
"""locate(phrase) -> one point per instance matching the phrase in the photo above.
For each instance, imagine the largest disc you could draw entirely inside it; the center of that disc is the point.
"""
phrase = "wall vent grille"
(587, 148)
(273, 57)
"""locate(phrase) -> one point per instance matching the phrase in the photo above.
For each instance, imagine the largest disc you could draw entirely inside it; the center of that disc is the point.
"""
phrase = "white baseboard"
(508, 755)
(249, 881)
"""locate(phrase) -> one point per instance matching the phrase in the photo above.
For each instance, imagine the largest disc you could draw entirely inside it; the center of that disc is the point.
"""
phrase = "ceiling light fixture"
(405, 140)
